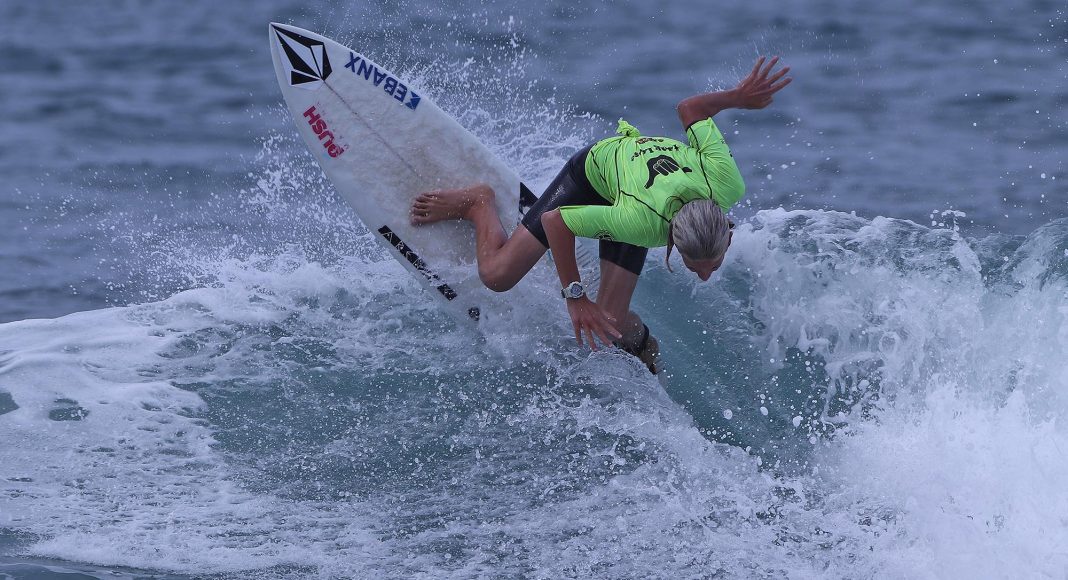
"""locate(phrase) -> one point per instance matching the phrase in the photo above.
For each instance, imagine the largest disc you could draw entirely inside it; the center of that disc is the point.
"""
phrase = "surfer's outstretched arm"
(587, 316)
(753, 92)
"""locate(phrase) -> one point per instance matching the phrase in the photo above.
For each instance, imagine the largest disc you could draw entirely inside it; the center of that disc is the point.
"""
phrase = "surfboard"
(381, 142)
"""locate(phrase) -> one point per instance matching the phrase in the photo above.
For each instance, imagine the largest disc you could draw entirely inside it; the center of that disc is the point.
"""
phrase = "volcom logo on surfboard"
(306, 59)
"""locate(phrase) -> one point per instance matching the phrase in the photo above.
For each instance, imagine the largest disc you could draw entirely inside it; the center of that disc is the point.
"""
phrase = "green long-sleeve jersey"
(648, 179)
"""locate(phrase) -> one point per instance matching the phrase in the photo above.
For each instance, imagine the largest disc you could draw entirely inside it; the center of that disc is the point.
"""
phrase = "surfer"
(630, 192)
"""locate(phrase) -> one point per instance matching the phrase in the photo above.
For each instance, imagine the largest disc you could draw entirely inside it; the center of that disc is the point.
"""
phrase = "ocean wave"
(859, 396)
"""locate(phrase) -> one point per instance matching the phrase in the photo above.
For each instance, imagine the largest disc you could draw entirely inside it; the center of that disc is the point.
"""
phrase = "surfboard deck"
(381, 142)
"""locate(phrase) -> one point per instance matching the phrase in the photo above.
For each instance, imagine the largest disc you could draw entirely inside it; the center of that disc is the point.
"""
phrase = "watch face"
(574, 290)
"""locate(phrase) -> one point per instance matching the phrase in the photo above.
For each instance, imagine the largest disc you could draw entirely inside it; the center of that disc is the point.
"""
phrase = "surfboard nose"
(278, 26)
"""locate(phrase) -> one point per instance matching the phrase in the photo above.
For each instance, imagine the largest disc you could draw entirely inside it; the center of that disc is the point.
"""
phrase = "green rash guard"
(648, 179)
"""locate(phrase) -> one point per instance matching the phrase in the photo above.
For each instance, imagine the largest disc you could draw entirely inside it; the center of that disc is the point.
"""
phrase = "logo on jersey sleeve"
(305, 59)
(663, 165)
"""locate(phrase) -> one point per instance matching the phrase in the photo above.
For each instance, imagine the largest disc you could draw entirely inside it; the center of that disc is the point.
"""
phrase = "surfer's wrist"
(731, 99)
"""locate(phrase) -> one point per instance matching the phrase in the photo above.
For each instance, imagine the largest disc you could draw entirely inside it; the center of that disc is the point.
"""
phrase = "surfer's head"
(702, 234)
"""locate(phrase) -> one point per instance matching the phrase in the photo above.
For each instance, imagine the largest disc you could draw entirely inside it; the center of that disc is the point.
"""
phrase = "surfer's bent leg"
(502, 261)
(613, 296)
(621, 263)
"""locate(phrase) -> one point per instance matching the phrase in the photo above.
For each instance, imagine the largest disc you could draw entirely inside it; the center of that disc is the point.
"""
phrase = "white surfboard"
(382, 143)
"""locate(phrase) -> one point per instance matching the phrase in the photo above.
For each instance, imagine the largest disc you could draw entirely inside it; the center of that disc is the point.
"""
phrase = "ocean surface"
(209, 369)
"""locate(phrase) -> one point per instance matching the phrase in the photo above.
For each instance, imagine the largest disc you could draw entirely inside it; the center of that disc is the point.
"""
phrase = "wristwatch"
(573, 290)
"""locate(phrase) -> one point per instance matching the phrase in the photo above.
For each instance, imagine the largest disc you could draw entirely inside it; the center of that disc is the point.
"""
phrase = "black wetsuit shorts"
(572, 187)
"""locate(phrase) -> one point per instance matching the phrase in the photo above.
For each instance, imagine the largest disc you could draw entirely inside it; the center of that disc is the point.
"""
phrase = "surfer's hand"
(755, 91)
(588, 318)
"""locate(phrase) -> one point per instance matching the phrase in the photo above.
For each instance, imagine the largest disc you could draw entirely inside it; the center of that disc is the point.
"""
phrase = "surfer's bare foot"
(450, 204)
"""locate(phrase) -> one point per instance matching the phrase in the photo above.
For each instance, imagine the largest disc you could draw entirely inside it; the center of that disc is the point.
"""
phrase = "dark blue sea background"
(209, 368)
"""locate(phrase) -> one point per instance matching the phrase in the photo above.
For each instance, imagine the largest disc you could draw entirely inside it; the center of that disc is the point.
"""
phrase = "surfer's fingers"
(778, 75)
(596, 330)
(779, 85)
(756, 67)
(772, 89)
(602, 335)
(605, 329)
(767, 69)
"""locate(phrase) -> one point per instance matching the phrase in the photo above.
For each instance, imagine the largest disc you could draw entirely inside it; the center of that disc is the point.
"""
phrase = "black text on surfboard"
(323, 132)
(360, 67)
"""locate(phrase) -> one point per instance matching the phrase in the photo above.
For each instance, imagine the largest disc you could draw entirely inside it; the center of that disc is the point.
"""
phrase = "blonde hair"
(700, 231)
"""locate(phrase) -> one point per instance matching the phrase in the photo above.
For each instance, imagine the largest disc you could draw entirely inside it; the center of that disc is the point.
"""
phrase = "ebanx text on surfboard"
(361, 67)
